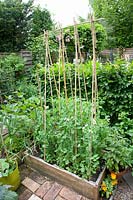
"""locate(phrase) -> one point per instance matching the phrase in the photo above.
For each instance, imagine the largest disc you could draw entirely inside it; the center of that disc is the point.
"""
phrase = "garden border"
(89, 189)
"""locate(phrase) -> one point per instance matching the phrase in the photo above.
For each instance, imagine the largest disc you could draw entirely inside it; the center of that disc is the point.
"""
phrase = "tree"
(18, 21)
(14, 18)
(41, 20)
(118, 19)
(37, 45)
(85, 38)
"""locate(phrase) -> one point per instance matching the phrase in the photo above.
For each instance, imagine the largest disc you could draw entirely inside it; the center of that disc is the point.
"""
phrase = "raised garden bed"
(89, 189)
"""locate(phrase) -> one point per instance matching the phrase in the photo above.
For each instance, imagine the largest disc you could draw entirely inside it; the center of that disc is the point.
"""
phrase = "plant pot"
(12, 179)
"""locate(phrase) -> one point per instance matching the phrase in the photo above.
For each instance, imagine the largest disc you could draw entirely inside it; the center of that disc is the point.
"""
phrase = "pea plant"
(60, 140)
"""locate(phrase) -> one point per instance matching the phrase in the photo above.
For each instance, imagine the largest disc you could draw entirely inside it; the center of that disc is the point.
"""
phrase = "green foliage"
(114, 87)
(85, 37)
(60, 142)
(19, 22)
(37, 45)
(11, 70)
(108, 185)
(41, 20)
(118, 19)
(117, 152)
(6, 194)
(6, 167)
(14, 15)
(67, 138)
(20, 116)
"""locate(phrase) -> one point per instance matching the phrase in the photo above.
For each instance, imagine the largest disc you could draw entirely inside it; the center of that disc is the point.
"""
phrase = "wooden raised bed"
(89, 189)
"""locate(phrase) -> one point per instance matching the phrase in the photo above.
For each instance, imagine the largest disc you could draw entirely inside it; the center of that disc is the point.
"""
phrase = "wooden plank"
(89, 189)
(101, 177)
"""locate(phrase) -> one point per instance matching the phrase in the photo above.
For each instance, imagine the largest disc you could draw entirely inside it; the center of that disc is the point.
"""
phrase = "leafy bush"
(11, 70)
(118, 152)
(37, 45)
(85, 38)
(20, 116)
(115, 87)
(6, 194)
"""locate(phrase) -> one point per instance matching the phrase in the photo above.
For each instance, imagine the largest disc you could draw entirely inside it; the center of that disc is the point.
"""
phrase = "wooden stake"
(80, 55)
(45, 79)
(53, 71)
(48, 65)
(63, 64)
(59, 69)
(94, 93)
(76, 62)
(77, 65)
(39, 86)
(69, 74)
(94, 76)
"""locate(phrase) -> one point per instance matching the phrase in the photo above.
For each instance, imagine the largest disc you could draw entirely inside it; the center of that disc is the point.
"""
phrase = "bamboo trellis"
(78, 59)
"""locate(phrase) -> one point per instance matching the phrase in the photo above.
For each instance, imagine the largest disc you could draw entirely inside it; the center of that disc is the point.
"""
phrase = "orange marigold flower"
(114, 182)
(113, 175)
(104, 188)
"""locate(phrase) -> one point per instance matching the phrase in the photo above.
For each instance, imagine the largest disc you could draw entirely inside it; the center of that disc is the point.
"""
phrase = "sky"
(63, 11)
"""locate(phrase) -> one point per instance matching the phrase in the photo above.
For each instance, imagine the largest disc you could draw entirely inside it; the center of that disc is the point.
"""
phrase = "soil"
(96, 175)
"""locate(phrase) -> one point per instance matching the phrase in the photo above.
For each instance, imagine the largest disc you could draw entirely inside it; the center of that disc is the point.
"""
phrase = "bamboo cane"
(48, 65)
(69, 74)
(45, 84)
(80, 55)
(94, 76)
(94, 92)
(39, 86)
(59, 71)
(76, 62)
(51, 63)
(63, 65)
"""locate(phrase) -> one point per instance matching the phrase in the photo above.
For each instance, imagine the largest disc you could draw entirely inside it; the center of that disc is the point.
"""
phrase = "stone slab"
(66, 193)
(34, 197)
(59, 198)
(25, 195)
(53, 192)
(129, 179)
(35, 176)
(30, 184)
(43, 189)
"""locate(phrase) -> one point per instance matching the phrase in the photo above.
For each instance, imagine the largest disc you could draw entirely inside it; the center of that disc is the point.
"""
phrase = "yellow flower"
(114, 182)
(103, 186)
(113, 175)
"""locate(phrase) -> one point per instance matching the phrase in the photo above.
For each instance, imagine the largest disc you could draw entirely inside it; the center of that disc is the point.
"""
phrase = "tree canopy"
(41, 20)
(18, 20)
(118, 19)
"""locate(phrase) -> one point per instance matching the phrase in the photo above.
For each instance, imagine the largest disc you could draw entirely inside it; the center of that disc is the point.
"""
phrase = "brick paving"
(34, 186)
(123, 192)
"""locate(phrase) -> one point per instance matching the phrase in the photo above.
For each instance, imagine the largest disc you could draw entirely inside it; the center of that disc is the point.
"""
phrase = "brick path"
(34, 186)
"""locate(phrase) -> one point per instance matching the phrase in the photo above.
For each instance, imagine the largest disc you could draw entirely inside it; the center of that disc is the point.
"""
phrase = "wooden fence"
(25, 54)
(126, 53)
